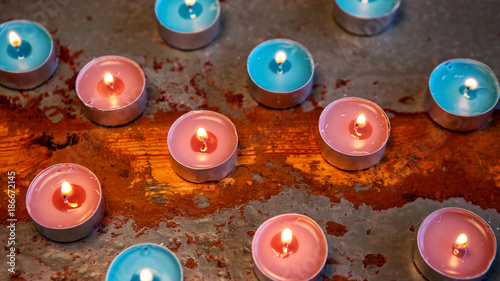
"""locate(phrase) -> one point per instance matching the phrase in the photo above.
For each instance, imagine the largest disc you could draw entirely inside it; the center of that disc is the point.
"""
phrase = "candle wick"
(280, 68)
(204, 148)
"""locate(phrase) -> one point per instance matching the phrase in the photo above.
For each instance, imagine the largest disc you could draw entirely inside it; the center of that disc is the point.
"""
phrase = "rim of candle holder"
(160, 247)
(114, 116)
(190, 40)
(39, 74)
(434, 273)
(199, 175)
(258, 270)
(70, 233)
(281, 99)
(357, 24)
(346, 161)
(453, 121)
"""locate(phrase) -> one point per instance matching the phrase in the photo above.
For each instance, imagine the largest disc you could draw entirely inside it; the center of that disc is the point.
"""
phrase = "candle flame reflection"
(364, 1)
(14, 39)
(203, 136)
(146, 275)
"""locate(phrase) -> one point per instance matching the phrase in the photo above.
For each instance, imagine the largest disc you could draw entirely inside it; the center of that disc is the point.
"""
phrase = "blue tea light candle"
(145, 262)
(27, 55)
(281, 73)
(365, 17)
(188, 24)
(462, 94)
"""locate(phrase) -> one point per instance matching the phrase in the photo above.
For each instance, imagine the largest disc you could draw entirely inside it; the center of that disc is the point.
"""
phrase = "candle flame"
(190, 3)
(471, 83)
(14, 39)
(65, 189)
(280, 57)
(146, 275)
(108, 79)
(462, 241)
(361, 121)
(286, 237)
(202, 135)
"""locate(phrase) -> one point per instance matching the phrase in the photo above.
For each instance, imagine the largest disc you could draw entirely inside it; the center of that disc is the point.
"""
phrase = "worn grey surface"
(400, 59)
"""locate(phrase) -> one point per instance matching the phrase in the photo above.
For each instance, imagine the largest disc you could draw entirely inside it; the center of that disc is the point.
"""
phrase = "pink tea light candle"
(203, 146)
(353, 133)
(65, 202)
(112, 89)
(289, 247)
(454, 244)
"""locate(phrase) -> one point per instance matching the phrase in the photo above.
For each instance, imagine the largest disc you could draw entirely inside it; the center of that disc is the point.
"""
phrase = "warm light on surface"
(361, 121)
(280, 57)
(286, 237)
(364, 1)
(108, 79)
(65, 188)
(190, 3)
(471, 83)
(14, 39)
(462, 241)
(146, 275)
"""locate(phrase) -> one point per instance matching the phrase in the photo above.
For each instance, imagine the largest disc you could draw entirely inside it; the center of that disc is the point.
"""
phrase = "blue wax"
(447, 86)
(372, 9)
(34, 50)
(295, 72)
(160, 261)
(177, 16)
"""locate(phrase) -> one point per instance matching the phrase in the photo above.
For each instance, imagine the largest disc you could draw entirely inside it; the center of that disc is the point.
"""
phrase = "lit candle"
(65, 202)
(462, 94)
(281, 73)
(454, 244)
(365, 17)
(188, 24)
(203, 146)
(145, 262)
(112, 89)
(289, 247)
(27, 55)
(353, 133)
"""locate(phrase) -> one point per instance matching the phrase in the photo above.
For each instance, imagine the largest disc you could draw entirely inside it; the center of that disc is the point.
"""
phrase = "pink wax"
(308, 249)
(438, 234)
(130, 83)
(222, 139)
(337, 121)
(44, 202)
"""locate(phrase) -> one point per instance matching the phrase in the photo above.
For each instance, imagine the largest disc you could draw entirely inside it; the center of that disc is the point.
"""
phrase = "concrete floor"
(387, 68)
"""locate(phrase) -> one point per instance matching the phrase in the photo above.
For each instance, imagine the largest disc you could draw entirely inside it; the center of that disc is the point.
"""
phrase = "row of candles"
(203, 144)
(452, 243)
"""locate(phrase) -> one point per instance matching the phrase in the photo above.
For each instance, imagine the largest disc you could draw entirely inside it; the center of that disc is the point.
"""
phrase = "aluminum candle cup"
(112, 90)
(65, 202)
(145, 262)
(462, 94)
(353, 133)
(454, 244)
(188, 24)
(365, 17)
(281, 73)
(289, 247)
(203, 146)
(27, 55)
